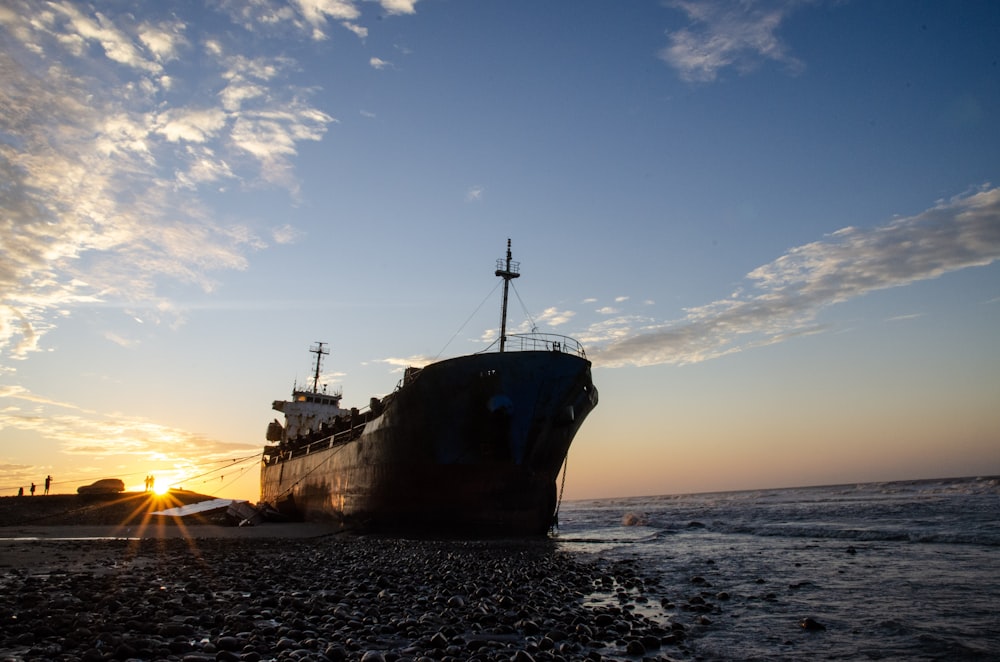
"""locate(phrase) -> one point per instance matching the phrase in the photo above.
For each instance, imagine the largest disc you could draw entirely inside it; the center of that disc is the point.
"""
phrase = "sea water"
(886, 571)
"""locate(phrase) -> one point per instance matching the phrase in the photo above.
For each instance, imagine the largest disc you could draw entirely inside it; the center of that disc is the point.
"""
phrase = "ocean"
(882, 571)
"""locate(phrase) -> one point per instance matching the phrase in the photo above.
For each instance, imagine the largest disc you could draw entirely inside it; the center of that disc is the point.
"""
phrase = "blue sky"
(774, 226)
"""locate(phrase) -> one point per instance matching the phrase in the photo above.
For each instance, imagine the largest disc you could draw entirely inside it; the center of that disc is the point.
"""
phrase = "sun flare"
(161, 489)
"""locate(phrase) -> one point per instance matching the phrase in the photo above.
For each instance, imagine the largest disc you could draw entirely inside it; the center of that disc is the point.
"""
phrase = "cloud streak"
(787, 294)
(103, 437)
(725, 35)
(98, 159)
(310, 17)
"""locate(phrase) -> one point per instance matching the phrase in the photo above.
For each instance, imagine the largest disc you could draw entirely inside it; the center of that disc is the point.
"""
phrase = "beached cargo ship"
(465, 446)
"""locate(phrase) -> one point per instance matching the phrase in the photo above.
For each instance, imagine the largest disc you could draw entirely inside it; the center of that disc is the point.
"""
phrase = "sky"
(774, 226)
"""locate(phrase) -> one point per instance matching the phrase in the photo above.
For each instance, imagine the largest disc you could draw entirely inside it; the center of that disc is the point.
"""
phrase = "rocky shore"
(332, 597)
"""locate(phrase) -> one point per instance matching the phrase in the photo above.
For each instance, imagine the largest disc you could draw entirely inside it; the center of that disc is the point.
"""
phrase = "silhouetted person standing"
(48, 482)
(32, 489)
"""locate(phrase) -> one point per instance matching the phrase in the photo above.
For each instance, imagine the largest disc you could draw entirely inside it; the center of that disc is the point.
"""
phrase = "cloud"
(101, 158)
(728, 35)
(310, 17)
(76, 29)
(267, 128)
(361, 32)
(273, 134)
(286, 234)
(555, 317)
(474, 194)
(202, 167)
(190, 124)
(788, 293)
(305, 16)
(399, 364)
(394, 7)
(905, 318)
(95, 436)
(316, 11)
(163, 40)
(21, 393)
(379, 63)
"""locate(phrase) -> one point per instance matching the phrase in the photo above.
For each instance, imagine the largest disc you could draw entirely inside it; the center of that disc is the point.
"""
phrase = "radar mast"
(507, 270)
(320, 352)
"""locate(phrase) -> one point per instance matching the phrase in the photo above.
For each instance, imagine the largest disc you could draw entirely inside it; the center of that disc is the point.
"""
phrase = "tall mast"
(507, 271)
(318, 350)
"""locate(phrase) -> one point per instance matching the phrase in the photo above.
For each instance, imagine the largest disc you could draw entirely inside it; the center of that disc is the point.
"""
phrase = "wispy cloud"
(399, 364)
(311, 17)
(77, 30)
(82, 430)
(555, 317)
(286, 234)
(395, 7)
(99, 158)
(787, 294)
(905, 318)
(474, 194)
(94, 436)
(725, 35)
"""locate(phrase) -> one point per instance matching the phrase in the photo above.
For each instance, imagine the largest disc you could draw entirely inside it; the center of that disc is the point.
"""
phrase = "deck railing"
(543, 342)
(336, 439)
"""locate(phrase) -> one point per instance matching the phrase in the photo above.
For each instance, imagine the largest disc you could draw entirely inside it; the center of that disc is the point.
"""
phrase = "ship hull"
(470, 446)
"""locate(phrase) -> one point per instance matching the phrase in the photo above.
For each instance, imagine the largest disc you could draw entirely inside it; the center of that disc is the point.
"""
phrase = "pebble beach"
(300, 592)
(889, 571)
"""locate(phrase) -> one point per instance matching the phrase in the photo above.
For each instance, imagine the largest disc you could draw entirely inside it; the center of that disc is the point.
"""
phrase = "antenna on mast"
(318, 350)
(507, 270)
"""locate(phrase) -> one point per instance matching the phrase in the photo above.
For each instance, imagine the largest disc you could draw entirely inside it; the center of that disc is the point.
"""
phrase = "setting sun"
(161, 489)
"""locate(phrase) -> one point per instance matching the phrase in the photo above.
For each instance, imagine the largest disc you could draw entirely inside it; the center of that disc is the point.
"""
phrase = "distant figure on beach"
(20, 491)
(149, 482)
(48, 483)
(32, 489)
